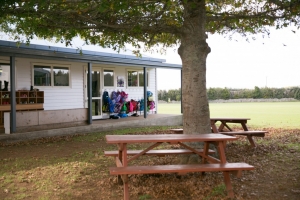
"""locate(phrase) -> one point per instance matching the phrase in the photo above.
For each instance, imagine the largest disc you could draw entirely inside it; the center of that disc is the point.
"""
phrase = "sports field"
(262, 114)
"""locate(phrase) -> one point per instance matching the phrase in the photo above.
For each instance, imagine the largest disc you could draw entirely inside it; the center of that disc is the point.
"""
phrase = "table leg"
(250, 138)
(244, 125)
(125, 179)
(205, 152)
(224, 124)
(228, 184)
(123, 159)
(221, 150)
(213, 126)
(126, 189)
(120, 163)
(221, 127)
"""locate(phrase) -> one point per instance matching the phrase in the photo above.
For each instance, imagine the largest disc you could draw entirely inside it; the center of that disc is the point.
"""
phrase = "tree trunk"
(193, 52)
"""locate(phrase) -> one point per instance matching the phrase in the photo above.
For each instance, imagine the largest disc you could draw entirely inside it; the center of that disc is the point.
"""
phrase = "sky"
(264, 62)
(237, 63)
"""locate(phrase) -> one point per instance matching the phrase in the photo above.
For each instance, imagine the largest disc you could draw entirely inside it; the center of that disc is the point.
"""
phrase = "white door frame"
(99, 98)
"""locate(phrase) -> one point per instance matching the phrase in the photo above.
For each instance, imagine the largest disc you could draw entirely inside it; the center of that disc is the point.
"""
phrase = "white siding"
(72, 97)
(55, 98)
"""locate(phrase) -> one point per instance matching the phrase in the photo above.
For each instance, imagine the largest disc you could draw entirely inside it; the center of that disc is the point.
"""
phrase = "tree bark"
(193, 52)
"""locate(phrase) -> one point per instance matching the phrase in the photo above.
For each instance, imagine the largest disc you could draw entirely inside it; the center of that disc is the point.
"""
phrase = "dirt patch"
(74, 167)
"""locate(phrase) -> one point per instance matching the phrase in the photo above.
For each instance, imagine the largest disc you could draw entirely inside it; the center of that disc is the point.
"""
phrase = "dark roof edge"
(10, 48)
(73, 51)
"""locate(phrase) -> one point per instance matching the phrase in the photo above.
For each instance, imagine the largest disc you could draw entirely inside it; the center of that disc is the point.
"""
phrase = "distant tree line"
(226, 93)
(172, 95)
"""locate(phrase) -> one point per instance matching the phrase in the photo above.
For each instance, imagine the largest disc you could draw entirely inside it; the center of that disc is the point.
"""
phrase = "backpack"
(142, 105)
(114, 96)
(151, 105)
(123, 97)
(105, 100)
(105, 97)
(149, 94)
(132, 106)
(111, 106)
(124, 108)
(105, 108)
(129, 106)
(118, 99)
(118, 107)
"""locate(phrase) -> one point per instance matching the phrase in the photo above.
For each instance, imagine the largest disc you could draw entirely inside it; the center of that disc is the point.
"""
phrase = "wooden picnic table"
(242, 121)
(209, 163)
(225, 121)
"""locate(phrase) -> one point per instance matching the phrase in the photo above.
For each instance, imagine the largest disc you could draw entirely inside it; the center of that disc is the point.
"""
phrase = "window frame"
(138, 79)
(51, 66)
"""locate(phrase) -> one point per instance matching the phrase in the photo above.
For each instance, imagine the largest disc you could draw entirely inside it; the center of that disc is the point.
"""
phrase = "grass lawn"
(262, 114)
(75, 168)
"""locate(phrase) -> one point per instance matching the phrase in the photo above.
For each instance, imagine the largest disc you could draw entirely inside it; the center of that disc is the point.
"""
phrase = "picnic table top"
(229, 118)
(116, 139)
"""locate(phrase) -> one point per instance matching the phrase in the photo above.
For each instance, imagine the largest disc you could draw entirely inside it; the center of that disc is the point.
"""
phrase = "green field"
(262, 114)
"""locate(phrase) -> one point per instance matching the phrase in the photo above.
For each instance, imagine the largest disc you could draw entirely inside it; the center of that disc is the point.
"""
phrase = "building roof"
(8, 48)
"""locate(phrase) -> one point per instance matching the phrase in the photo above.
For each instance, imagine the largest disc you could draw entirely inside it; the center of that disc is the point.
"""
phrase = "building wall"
(44, 117)
(55, 98)
(73, 96)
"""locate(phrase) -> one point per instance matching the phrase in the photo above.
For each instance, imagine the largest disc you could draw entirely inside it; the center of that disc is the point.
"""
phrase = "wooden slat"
(177, 130)
(158, 169)
(246, 133)
(229, 119)
(170, 138)
(33, 106)
(156, 152)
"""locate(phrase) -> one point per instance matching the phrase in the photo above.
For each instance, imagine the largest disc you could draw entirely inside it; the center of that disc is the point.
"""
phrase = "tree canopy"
(115, 23)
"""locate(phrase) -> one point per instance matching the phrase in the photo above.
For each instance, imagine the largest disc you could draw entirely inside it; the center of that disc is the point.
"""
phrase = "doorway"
(96, 93)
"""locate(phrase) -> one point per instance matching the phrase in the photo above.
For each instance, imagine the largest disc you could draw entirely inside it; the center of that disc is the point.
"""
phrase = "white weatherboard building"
(55, 87)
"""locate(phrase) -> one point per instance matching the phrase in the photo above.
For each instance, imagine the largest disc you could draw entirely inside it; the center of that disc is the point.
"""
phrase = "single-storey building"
(47, 85)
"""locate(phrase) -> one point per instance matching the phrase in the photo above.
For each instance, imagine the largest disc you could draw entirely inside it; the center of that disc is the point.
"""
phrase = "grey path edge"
(172, 120)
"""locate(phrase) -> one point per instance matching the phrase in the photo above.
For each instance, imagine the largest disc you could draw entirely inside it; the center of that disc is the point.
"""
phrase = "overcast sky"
(271, 62)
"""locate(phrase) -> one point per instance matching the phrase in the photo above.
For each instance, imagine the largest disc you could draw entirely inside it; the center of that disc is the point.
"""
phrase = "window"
(136, 78)
(61, 76)
(51, 75)
(108, 78)
(132, 78)
(42, 75)
(141, 78)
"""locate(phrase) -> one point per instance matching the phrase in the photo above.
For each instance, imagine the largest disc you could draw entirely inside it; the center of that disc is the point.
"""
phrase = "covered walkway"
(96, 126)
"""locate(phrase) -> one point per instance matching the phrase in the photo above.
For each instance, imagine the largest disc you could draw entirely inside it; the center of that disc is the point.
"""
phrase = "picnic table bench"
(209, 163)
(158, 152)
(225, 124)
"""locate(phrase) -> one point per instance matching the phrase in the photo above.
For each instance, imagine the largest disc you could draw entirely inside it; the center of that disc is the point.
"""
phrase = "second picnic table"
(225, 121)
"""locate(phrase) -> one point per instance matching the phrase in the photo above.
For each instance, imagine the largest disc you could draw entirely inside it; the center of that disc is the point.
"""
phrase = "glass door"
(96, 93)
